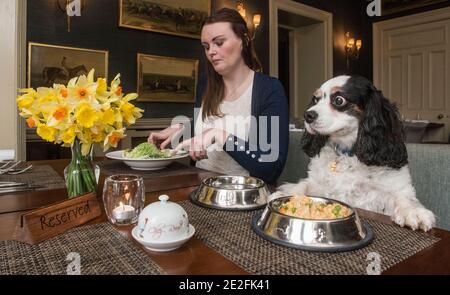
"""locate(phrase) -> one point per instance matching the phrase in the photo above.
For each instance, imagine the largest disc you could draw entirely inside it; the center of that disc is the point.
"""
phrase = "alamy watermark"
(74, 8)
(374, 8)
(74, 265)
(374, 266)
(265, 138)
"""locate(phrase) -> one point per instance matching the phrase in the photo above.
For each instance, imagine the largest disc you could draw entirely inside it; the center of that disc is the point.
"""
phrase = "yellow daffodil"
(85, 136)
(31, 118)
(102, 89)
(90, 76)
(116, 89)
(68, 136)
(86, 111)
(82, 89)
(31, 123)
(113, 138)
(108, 117)
(60, 114)
(63, 92)
(86, 115)
(47, 133)
(46, 95)
(130, 113)
(98, 137)
(25, 101)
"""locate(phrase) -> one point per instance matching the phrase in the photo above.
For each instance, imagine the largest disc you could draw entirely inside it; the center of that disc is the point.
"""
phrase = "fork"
(20, 171)
(6, 164)
(3, 171)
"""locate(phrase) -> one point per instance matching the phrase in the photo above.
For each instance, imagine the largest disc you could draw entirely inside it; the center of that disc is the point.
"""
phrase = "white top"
(236, 121)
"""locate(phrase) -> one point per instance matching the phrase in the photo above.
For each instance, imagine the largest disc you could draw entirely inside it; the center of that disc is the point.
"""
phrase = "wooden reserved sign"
(43, 223)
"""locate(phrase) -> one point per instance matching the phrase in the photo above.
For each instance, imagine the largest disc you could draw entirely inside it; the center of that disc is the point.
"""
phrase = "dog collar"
(346, 152)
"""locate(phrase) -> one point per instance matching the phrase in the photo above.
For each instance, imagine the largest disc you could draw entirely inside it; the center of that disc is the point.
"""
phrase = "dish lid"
(163, 221)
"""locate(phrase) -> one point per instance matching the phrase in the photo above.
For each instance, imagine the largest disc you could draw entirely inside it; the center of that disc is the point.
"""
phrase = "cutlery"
(4, 164)
(19, 171)
(19, 189)
(4, 184)
(173, 152)
(5, 168)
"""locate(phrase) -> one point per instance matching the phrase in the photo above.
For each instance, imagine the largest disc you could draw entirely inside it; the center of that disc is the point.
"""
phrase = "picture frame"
(173, 17)
(49, 64)
(395, 6)
(166, 79)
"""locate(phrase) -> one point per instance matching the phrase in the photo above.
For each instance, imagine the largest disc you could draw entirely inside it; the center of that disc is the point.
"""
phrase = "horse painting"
(53, 75)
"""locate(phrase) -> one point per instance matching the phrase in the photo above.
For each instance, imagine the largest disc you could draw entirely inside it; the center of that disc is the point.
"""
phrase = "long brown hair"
(215, 88)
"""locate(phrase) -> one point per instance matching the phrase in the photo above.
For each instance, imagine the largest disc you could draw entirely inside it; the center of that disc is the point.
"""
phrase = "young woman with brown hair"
(242, 127)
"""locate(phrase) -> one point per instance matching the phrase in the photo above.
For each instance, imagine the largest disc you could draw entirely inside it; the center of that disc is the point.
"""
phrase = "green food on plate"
(146, 151)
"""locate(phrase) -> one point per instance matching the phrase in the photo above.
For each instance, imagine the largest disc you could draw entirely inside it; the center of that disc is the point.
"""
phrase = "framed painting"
(166, 79)
(49, 64)
(175, 17)
(395, 6)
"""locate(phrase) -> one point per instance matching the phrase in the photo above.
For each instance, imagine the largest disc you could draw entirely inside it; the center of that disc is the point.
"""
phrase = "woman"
(242, 127)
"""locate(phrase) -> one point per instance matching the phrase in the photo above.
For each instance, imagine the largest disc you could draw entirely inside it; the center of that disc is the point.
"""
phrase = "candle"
(124, 213)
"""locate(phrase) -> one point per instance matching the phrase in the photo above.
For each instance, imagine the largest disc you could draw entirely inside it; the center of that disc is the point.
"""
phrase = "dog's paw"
(415, 218)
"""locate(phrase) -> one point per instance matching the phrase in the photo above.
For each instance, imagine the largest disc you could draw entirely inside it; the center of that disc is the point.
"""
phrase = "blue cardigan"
(268, 99)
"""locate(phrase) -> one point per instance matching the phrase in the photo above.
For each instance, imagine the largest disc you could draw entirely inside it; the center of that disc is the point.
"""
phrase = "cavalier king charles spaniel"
(355, 139)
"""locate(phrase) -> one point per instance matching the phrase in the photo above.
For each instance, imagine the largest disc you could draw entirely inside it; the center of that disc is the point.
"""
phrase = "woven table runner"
(42, 175)
(101, 248)
(230, 234)
(111, 167)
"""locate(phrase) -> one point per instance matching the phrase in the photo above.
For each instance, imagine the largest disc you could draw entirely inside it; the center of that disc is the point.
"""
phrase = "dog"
(355, 139)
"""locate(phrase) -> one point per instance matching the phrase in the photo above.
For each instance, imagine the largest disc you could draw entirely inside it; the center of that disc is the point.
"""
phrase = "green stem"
(80, 177)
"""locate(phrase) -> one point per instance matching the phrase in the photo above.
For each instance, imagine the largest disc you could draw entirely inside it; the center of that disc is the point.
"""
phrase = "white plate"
(163, 246)
(145, 164)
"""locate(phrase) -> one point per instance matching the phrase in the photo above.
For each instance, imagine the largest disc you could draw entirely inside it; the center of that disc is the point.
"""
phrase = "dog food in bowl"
(307, 208)
(312, 223)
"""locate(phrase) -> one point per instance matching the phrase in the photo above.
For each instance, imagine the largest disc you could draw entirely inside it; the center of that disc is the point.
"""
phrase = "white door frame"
(380, 28)
(306, 11)
(13, 22)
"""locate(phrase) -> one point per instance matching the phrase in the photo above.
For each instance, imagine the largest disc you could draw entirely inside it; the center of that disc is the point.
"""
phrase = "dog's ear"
(380, 134)
(312, 144)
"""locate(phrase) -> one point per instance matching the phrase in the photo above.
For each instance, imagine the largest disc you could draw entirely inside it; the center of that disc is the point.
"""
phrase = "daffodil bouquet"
(79, 115)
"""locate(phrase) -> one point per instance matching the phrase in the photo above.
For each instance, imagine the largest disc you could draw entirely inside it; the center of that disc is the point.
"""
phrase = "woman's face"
(222, 47)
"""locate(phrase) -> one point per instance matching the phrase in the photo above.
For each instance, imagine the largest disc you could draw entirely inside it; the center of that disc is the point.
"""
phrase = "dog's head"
(351, 113)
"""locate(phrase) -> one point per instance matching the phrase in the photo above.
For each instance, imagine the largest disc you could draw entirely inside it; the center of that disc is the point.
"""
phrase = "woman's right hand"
(165, 136)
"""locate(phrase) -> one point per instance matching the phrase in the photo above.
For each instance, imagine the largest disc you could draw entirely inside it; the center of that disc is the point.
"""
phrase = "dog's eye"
(315, 100)
(339, 101)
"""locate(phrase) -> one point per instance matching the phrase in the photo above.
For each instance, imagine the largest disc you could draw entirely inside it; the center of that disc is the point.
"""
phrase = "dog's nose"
(311, 116)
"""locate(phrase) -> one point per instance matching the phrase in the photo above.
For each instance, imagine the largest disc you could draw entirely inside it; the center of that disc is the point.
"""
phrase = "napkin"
(7, 155)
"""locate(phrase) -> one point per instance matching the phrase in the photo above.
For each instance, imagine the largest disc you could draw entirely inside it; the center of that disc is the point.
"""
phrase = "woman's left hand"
(197, 145)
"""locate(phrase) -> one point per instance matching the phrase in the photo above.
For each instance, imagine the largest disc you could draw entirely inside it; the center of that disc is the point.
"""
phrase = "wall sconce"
(255, 21)
(351, 48)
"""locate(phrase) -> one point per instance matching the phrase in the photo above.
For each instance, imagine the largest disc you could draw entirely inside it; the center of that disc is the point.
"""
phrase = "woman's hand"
(164, 136)
(197, 145)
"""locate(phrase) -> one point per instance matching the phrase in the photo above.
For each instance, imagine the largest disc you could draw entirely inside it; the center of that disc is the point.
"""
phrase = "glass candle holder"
(123, 198)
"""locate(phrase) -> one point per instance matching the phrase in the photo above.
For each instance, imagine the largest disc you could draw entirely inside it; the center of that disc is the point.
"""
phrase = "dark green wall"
(97, 28)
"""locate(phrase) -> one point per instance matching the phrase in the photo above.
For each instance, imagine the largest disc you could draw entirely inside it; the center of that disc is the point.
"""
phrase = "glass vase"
(81, 175)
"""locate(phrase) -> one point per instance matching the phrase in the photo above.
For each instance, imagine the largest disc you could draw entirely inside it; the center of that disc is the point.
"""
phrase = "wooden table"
(195, 257)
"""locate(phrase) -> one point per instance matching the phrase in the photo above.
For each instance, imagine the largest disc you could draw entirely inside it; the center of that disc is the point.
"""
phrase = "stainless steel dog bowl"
(324, 235)
(231, 193)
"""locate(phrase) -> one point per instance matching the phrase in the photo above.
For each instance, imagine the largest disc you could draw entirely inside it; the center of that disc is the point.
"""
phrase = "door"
(414, 68)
